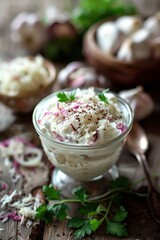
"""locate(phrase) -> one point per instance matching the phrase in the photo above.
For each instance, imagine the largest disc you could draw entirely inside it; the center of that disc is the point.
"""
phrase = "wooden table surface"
(140, 223)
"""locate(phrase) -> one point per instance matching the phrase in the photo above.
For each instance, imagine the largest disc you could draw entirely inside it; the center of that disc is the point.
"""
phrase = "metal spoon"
(137, 144)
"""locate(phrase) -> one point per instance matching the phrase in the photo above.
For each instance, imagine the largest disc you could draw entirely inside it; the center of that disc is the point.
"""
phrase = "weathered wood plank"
(140, 223)
(31, 180)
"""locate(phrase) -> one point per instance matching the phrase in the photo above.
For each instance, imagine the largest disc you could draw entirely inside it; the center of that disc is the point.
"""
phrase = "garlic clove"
(152, 24)
(27, 30)
(135, 47)
(80, 74)
(143, 106)
(129, 24)
(131, 93)
(140, 45)
(66, 71)
(140, 102)
(125, 52)
(108, 37)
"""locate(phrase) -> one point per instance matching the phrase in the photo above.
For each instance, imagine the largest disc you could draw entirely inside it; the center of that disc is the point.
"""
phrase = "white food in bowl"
(23, 75)
(83, 137)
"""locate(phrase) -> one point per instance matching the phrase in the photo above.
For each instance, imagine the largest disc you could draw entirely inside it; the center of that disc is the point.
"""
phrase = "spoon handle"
(143, 162)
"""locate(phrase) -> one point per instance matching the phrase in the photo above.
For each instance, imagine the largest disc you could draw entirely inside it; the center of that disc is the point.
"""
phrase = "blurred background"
(56, 30)
(9, 10)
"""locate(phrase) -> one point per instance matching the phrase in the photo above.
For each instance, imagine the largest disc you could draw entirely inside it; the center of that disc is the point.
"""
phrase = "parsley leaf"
(84, 230)
(102, 97)
(51, 193)
(80, 193)
(60, 211)
(44, 213)
(91, 213)
(83, 227)
(120, 215)
(117, 229)
(88, 208)
(75, 222)
(64, 97)
(95, 223)
(72, 95)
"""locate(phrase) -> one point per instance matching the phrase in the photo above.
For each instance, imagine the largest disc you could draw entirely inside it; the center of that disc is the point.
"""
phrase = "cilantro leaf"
(83, 227)
(75, 222)
(72, 95)
(103, 98)
(120, 215)
(95, 223)
(51, 193)
(117, 229)
(88, 208)
(41, 211)
(44, 214)
(83, 231)
(64, 97)
(101, 209)
(93, 212)
(60, 210)
(80, 193)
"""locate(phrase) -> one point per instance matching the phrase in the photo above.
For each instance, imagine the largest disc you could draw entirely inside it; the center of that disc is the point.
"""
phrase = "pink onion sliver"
(122, 127)
(12, 215)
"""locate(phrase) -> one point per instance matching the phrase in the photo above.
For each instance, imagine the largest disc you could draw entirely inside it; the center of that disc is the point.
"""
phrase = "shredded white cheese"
(8, 198)
(27, 206)
(23, 75)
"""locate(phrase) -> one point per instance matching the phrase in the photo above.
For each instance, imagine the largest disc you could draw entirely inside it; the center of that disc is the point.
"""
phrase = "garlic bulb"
(108, 37)
(80, 74)
(27, 30)
(152, 24)
(136, 47)
(140, 102)
(140, 45)
(129, 24)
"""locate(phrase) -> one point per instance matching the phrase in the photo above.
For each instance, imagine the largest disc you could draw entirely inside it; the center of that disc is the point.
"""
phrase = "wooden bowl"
(27, 101)
(120, 73)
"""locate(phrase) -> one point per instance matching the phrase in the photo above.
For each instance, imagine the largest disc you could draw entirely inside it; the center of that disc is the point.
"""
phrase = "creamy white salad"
(23, 75)
(82, 117)
(82, 131)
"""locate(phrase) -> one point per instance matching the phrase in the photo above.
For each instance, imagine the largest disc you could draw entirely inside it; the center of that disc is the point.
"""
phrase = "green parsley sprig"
(102, 96)
(91, 213)
(66, 97)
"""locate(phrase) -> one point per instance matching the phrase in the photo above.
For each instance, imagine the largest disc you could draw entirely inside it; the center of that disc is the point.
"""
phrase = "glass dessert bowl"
(83, 132)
